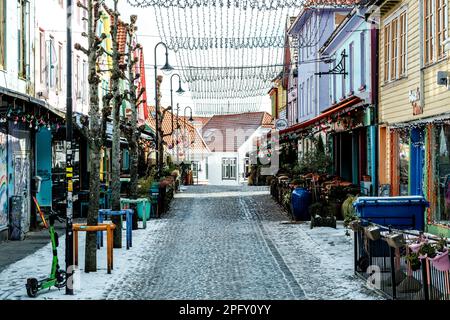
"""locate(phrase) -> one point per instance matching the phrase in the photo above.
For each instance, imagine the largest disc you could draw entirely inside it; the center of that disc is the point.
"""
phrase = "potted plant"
(395, 240)
(372, 232)
(427, 250)
(414, 261)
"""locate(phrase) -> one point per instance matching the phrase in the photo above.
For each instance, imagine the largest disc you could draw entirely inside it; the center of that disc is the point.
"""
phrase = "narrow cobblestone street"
(231, 243)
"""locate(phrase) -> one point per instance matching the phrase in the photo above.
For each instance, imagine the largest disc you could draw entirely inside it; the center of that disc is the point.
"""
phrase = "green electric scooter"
(57, 276)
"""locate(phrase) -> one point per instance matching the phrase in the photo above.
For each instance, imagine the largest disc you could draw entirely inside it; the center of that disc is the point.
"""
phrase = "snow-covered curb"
(88, 286)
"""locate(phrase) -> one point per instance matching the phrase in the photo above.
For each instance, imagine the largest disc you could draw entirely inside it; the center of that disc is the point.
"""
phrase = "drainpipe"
(422, 77)
(374, 35)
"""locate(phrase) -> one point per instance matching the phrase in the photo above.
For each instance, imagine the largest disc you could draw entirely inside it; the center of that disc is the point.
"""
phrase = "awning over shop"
(339, 107)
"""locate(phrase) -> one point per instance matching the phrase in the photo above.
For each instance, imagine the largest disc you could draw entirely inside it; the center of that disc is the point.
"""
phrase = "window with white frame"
(307, 93)
(84, 84)
(435, 29)
(23, 37)
(229, 168)
(333, 77)
(362, 43)
(351, 69)
(395, 46)
(43, 58)
(60, 57)
(301, 100)
(52, 58)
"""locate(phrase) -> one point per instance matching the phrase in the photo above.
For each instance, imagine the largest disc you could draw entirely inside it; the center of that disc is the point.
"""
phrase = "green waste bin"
(142, 204)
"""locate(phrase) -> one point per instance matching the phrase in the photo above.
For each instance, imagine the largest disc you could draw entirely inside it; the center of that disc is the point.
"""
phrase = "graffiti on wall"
(3, 181)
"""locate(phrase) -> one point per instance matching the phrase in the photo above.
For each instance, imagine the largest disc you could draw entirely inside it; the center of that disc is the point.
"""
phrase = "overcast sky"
(148, 36)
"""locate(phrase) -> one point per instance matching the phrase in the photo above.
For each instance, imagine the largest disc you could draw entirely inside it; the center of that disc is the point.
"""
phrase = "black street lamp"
(190, 120)
(167, 68)
(180, 91)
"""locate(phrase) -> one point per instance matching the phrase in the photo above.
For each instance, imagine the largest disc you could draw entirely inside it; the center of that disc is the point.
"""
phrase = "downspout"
(375, 104)
(422, 77)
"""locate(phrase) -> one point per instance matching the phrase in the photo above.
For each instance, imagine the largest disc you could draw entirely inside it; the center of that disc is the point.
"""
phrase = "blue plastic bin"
(405, 212)
(301, 200)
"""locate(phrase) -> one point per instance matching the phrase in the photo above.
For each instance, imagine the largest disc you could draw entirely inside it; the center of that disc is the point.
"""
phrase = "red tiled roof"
(199, 145)
(239, 126)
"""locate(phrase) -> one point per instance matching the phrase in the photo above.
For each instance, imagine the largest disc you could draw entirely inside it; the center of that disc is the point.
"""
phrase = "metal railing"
(387, 270)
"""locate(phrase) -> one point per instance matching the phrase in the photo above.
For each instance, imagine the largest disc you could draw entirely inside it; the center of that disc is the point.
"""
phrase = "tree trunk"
(134, 134)
(115, 152)
(94, 145)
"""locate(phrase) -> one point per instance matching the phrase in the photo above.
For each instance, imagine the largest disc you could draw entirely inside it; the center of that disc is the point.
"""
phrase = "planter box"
(395, 240)
(373, 233)
(441, 262)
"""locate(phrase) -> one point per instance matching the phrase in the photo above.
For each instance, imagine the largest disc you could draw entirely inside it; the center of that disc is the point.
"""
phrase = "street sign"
(281, 124)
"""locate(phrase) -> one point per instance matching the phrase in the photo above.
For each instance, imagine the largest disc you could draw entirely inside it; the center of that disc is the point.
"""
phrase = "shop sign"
(281, 124)
(414, 99)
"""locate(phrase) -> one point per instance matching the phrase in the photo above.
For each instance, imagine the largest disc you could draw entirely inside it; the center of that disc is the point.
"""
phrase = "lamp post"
(177, 135)
(180, 91)
(166, 68)
(69, 165)
(190, 120)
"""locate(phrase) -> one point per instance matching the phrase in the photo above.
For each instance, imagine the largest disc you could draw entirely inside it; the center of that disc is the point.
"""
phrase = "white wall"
(215, 160)
(215, 168)
(9, 77)
(55, 27)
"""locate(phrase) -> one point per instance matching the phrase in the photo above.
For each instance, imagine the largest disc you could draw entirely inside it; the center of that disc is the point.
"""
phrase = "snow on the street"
(215, 243)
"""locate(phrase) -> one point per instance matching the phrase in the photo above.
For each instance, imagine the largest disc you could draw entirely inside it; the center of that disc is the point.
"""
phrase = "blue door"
(417, 161)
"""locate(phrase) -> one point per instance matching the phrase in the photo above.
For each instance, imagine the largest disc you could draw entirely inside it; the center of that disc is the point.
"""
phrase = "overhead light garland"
(32, 121)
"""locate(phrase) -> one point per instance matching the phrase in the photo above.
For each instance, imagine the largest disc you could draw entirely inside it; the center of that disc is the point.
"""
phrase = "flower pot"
(373, 233)
(395, 240)
(415, 247)
(441, 262)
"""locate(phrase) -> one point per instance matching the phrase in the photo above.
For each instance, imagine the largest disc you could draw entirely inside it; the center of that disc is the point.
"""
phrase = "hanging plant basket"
(415, 247)
(395, 240)
(441, 261)
(373, 233)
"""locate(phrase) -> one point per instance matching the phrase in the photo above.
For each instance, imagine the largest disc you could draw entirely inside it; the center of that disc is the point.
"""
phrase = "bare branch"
(78, 47)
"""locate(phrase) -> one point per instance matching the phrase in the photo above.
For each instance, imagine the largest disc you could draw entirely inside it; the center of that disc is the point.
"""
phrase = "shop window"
(403, 162)
(442, 210)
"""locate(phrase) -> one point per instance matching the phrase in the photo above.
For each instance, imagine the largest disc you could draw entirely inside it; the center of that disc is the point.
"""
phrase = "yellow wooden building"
(414, 110)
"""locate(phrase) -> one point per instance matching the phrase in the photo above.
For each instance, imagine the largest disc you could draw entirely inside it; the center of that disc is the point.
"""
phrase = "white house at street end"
(230, 139)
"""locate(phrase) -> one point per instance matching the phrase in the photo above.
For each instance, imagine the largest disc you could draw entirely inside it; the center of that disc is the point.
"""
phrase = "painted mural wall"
(3, 181)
